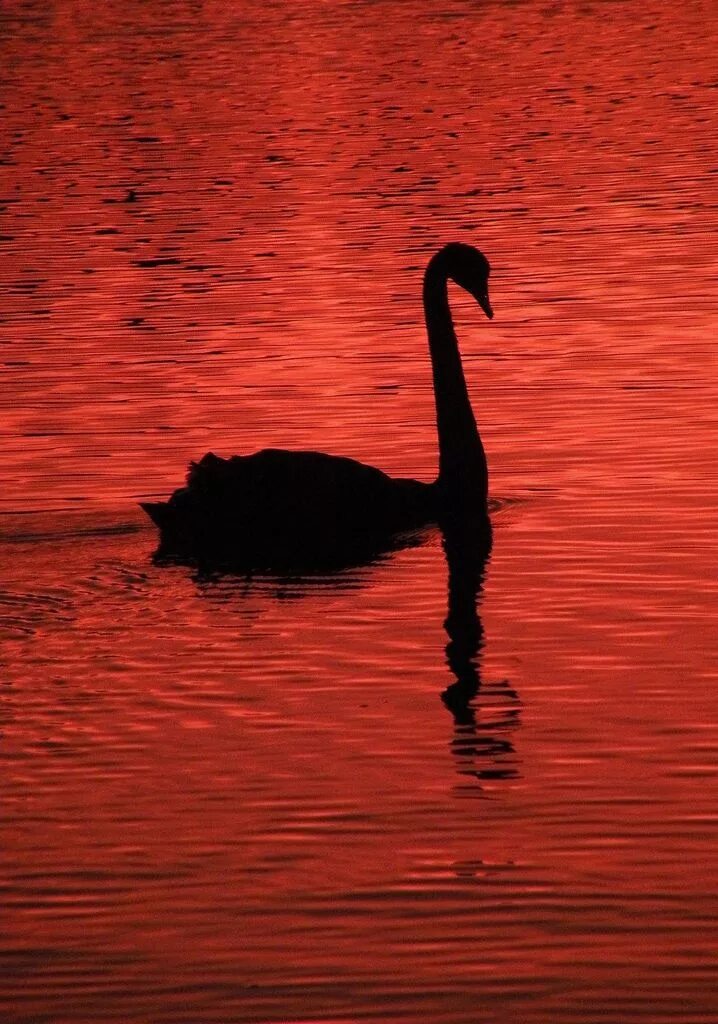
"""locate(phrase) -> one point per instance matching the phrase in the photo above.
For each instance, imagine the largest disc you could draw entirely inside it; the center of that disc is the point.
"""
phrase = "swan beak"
(483, 301)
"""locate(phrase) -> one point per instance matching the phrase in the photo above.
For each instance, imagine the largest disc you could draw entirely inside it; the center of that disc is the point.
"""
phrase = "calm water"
(230, 801)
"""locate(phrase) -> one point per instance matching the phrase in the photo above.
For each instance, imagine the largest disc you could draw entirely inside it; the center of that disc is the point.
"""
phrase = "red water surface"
(244, 801)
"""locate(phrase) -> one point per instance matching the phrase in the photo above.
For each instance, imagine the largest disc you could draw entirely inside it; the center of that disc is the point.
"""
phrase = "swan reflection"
(485, 715)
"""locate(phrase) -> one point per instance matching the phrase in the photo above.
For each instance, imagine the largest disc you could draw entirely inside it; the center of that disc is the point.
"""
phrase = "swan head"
(469, 268)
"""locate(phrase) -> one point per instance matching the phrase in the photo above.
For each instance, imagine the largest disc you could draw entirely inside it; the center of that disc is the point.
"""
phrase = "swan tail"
(158, 512)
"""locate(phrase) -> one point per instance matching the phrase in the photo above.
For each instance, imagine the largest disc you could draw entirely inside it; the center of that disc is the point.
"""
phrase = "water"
(245, 801)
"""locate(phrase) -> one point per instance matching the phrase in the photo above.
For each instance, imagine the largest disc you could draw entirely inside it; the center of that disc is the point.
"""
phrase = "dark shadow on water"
(294, 573)
(485, 714)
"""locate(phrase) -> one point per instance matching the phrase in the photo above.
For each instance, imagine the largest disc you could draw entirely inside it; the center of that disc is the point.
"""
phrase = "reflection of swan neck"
(467, 552)
(462, 462)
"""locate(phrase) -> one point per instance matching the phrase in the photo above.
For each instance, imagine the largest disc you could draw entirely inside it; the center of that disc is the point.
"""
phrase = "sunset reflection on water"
(237, 799)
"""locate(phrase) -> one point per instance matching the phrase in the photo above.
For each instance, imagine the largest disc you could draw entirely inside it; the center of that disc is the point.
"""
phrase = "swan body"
(277, 507)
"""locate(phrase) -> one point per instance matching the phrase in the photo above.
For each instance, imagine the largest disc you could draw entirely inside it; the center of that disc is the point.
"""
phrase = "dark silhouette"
(277, 509)
(483, 714)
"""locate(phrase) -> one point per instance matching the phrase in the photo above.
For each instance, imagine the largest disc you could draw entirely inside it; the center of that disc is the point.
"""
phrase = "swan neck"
(462, 462)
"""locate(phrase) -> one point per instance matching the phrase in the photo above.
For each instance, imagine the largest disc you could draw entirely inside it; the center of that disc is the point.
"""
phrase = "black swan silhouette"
(277, 508)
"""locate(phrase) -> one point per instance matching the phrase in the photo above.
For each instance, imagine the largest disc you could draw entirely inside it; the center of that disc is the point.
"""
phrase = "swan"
(276, 507)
